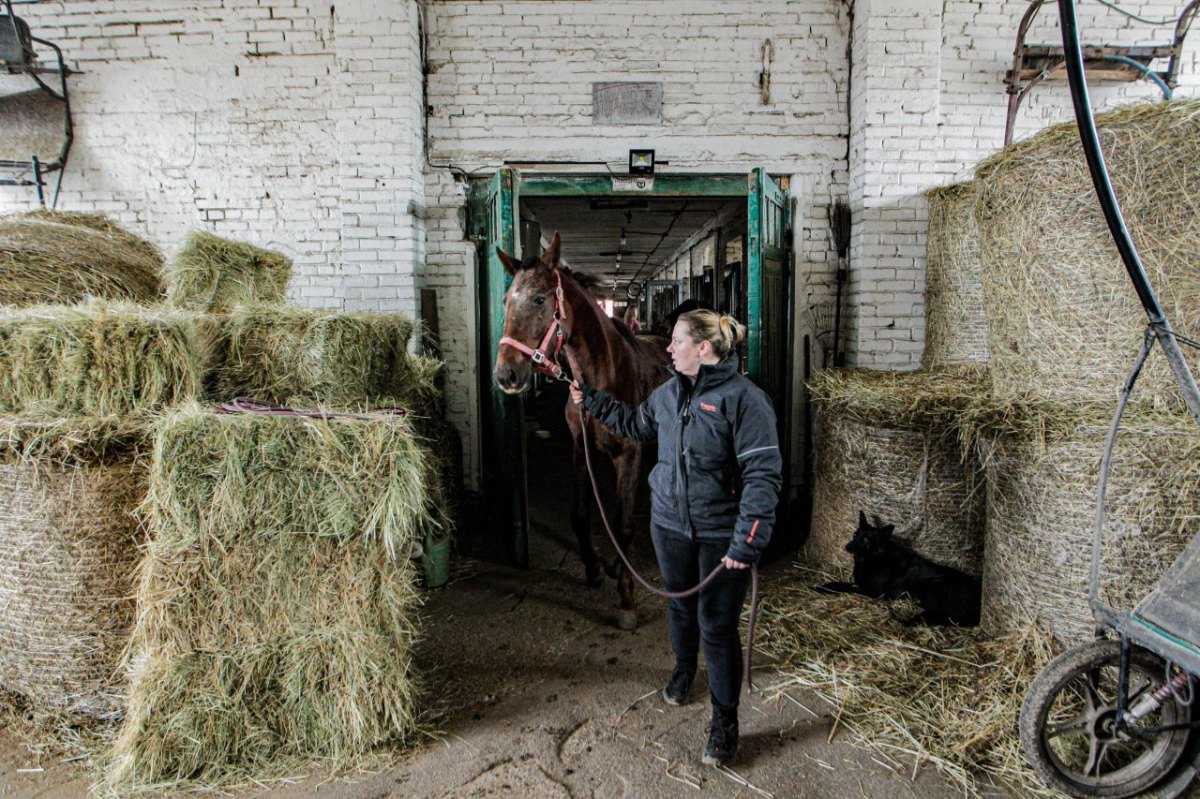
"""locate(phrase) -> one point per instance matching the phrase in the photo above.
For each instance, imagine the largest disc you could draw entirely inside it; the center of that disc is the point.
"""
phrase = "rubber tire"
(1049, 684)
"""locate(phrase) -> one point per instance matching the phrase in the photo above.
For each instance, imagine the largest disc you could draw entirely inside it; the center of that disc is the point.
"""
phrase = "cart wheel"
(1067, 724)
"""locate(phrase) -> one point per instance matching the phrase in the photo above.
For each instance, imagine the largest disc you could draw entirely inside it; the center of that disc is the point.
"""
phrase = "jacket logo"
(704, 406)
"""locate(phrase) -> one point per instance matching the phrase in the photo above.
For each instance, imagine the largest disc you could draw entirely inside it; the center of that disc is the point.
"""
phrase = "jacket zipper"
(682, 501)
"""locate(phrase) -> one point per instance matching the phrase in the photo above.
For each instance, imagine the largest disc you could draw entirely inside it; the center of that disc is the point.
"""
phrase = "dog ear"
(862, 520)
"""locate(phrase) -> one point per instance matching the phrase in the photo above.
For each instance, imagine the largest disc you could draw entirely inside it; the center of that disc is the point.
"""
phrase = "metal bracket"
(1035, 64)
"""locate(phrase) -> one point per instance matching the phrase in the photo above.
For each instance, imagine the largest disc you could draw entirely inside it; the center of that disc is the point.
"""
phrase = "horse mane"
(587, 283)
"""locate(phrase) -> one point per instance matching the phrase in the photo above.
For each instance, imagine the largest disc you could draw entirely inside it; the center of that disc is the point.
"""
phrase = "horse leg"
(628, 466)
(581, 517)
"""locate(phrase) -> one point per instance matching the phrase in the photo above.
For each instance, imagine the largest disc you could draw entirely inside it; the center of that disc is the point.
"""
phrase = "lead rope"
(587, 456)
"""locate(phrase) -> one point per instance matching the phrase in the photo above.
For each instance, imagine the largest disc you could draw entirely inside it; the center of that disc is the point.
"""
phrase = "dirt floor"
(538, 695)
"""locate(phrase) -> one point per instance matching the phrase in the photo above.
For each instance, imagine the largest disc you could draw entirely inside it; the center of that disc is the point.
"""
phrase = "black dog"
(885, 570)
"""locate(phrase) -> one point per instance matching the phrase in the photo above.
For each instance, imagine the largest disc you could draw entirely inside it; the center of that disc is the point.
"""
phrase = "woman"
(713, 497)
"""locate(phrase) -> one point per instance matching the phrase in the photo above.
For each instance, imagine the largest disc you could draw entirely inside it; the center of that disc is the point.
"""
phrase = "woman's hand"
(730, 563)
(576, 394)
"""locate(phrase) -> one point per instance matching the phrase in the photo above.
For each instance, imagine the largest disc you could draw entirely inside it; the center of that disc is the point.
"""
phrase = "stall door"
(503, 424)
(768, 309)
(767, 288)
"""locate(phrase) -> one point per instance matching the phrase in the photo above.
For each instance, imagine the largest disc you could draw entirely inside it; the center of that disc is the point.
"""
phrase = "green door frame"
(621, 186)
(504, 461)
(766, 228)
(766, 248)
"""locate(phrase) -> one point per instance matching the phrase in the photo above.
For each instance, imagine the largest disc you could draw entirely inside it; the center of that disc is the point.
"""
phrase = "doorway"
(643, 246)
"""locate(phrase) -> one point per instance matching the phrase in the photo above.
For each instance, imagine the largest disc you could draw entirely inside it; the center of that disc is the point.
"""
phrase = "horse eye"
(539, 300)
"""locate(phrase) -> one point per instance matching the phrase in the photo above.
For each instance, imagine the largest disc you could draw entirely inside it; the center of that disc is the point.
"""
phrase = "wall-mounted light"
(641, 162)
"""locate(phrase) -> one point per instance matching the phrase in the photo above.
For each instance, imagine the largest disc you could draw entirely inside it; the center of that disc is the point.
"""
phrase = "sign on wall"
(626, 103)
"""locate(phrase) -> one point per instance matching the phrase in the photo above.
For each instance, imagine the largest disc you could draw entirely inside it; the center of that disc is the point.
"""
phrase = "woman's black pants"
(710, 618)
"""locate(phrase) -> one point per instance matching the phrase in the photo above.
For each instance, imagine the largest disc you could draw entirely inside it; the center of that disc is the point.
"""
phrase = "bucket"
(436, 562)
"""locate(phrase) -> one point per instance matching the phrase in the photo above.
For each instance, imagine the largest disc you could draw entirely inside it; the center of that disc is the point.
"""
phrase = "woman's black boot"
(680, 684)
(722, 744)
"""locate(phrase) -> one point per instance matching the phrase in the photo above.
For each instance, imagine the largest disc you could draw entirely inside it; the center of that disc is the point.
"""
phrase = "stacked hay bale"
(1064, 322)
(1064, 326)
(955, 325)
(326, 512)
(1043, 466)
(211, 273)
(77, 388)
(49, 257)
(301, 357)
(99, 359)
(305, 356)
(889, 446)
(68, 549)
(276, 599)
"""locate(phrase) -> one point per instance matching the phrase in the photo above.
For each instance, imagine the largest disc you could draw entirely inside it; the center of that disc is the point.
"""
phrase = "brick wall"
(289, 123)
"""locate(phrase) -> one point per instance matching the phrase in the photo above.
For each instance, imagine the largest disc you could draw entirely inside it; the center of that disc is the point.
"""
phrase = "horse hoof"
(612, 567)
(627, 619)
(593, 577)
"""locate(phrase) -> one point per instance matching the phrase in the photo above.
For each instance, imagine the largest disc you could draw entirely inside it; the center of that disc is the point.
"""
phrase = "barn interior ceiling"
(621, 238)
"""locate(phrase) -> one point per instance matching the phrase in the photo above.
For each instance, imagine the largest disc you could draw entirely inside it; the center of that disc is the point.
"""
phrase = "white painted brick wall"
(282, 122)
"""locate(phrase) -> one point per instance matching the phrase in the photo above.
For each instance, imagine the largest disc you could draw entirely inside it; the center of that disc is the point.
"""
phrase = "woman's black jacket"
(719, 468)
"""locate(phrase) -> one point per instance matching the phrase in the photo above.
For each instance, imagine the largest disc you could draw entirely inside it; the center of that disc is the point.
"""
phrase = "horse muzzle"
(513, 378)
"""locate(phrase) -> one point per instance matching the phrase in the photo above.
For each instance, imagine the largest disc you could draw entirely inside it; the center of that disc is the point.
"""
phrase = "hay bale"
(105, 226)
(31, 123)
(99, 359)
(276, 607)
(215, 274)
(48, 257)
(888, 445)
(955, 324)
(1063, 319)
(68, 551)
(1041, 484)
(305, 356)
(940, 696)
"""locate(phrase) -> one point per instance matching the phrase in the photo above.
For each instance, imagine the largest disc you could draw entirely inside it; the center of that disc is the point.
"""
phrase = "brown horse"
(609, 357)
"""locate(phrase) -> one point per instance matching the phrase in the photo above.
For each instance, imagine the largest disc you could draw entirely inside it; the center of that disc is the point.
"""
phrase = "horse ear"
(511, 265)
(862, 519)
(886, 531)
(551, 256)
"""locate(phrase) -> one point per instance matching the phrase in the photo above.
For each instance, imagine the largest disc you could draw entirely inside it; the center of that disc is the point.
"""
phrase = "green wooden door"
(503, 437)
(767, 300)
(768, 321)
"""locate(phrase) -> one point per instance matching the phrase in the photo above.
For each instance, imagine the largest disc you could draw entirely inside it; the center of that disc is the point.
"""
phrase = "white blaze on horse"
(550, 319)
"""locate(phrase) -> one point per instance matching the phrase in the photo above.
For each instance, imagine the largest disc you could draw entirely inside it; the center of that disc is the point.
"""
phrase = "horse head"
(529, 316)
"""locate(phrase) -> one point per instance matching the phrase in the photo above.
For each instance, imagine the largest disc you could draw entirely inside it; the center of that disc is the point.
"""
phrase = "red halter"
(546, 364)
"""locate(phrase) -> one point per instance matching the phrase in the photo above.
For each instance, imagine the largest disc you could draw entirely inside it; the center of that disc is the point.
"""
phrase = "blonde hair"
(721, 331)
